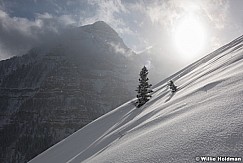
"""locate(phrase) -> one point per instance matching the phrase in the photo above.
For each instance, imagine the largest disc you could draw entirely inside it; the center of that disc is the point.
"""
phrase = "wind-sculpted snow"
(203, 118)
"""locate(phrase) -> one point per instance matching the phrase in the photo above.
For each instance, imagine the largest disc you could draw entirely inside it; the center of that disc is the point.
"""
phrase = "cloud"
(120, 50)
(2, 5)
(162, 17)
(14, 32)
(18, 35)
(141, 23)
(148, 64)
(167, 13)
(217, 12)
(110, 12)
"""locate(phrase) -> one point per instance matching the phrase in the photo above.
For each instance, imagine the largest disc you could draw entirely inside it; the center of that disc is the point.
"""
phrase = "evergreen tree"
(143, 88)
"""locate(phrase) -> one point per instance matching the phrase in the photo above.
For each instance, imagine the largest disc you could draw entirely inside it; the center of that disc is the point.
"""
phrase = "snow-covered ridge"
(203, 118)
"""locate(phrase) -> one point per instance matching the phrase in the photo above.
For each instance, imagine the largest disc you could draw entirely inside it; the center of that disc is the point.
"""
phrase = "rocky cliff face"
(50, 93)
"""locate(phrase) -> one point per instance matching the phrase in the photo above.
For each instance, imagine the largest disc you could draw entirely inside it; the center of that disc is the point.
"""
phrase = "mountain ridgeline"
(49, 93)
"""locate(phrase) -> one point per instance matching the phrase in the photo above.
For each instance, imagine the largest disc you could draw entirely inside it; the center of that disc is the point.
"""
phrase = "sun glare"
(189, 37)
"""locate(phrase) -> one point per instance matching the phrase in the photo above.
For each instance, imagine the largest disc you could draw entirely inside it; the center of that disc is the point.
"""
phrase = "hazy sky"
(189, 28)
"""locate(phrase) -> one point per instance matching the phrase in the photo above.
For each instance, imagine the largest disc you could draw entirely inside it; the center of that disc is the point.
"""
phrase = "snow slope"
(203, 118)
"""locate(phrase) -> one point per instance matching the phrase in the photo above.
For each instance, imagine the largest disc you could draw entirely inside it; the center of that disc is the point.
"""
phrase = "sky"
(185, 29)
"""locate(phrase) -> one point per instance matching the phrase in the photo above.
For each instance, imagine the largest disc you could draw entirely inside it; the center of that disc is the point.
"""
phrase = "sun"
(189, 37)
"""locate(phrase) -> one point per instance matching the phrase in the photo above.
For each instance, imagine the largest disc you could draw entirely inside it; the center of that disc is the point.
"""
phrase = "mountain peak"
(100, 26)
(102, 30)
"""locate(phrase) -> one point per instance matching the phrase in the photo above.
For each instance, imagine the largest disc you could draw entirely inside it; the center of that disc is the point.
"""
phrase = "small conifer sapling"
(172, 86)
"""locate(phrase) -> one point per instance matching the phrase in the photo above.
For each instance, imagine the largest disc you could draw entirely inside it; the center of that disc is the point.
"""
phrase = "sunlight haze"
(183, 30)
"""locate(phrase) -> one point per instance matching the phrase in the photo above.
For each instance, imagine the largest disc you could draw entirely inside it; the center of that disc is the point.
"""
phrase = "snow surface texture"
(203, 118)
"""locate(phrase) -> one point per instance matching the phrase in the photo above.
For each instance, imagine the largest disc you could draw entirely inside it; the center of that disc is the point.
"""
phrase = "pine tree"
(143, 88)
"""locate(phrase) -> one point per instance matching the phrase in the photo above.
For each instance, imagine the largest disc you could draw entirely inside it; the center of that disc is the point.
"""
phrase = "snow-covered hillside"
(203, 118)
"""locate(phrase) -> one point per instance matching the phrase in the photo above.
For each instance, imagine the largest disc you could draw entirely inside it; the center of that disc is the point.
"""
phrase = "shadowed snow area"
(203, 118)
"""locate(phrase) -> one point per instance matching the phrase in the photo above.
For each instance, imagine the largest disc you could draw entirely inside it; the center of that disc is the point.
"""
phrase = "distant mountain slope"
(203, 118)
(51, 92)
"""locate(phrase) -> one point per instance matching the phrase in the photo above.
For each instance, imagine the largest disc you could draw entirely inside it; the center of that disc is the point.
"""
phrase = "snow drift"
(203, 118)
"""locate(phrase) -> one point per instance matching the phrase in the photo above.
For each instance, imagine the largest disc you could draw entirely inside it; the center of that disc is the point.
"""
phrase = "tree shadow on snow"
(171, 95)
